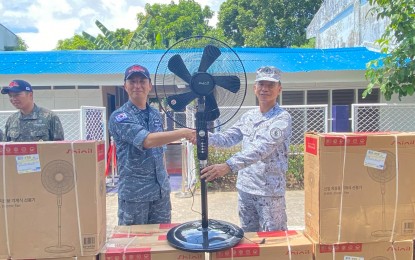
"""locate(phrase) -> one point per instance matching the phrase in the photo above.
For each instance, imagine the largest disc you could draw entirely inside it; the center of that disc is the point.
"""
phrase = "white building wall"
(61, 99)
(345, 23)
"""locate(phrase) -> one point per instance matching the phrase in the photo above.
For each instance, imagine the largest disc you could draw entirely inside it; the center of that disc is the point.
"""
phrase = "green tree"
(77, 42)
(119, 40)
(394, 73)
(274, 23)
(168, 23)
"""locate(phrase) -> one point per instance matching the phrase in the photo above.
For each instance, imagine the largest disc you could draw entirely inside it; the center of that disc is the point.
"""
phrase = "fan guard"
(202, 74)
(221, 76)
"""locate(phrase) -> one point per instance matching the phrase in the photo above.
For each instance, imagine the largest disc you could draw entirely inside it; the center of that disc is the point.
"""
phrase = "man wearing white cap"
(262, 163)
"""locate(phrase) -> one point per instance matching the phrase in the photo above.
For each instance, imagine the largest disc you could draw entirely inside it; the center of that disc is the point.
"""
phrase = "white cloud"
(41, 23)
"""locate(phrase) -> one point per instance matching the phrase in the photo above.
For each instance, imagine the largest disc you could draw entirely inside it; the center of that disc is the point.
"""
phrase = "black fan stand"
(205, 235)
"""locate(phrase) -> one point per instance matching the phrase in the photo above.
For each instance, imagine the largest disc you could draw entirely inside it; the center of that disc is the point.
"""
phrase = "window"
(292, 98)
(63, 87)
(371, 98)
(41, 87)
(343, 97)
(88, 87)
(317, 97)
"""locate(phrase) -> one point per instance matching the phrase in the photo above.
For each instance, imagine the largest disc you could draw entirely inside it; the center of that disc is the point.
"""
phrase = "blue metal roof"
(115, 61)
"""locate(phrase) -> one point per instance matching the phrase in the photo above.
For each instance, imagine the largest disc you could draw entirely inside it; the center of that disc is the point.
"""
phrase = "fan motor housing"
(202, 83)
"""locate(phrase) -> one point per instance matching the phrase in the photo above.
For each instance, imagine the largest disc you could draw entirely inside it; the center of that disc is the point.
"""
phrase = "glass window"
(292, 98)
(371, 98)
(317, 97)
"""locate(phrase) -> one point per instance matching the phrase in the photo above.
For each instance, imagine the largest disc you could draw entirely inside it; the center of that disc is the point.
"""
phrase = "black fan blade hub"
(202, 83)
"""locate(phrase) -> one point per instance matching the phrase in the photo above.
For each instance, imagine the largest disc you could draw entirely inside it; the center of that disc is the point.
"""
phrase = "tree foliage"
(274, 23)
(394, 73)
(121, 39)
(168, 23)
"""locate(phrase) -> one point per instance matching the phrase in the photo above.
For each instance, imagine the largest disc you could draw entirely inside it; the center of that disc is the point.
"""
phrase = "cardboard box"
(141, 230)
(359, 187)
(402, 250)
(154, 247)
(281, 245)
(53, 201)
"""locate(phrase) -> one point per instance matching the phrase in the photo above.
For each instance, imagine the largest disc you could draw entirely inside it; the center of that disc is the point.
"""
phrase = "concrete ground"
(221, 206)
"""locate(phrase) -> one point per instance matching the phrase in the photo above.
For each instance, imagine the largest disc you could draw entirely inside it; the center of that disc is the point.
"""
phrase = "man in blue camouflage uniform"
(31, 123)
(263, 160)
(137, 129)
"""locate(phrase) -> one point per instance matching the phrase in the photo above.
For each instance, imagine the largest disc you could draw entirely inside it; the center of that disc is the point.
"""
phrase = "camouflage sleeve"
(278, 133)
(228, 138)
(56, 129)
(125, 128)
(6, 137)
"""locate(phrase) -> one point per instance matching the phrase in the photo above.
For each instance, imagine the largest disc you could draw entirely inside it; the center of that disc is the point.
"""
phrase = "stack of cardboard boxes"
(359, 195)
(359, 204)
(52, 200)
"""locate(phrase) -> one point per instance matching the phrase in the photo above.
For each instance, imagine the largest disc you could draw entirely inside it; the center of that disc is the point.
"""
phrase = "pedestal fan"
(204, 73)
(382, 177)
(58, 178)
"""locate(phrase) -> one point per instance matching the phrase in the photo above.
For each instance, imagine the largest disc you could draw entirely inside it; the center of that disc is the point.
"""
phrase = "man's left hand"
(214, 171)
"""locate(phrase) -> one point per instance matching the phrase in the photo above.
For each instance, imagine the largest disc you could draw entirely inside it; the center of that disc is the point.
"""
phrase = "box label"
(19, 149)
(241, 250)
(340, 140)
(27, 163)
(339, 248)
(311, 145)
(375, 159)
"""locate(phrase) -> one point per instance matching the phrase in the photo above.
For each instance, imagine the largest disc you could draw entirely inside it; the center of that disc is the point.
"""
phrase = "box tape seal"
(77, 200)
(5, 201)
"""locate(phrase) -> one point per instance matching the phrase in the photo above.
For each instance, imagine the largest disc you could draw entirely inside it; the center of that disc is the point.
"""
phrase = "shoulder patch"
(121, 117)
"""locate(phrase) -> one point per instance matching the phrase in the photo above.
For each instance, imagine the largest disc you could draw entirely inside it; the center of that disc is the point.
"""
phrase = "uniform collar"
(33, 115)
(135, 109)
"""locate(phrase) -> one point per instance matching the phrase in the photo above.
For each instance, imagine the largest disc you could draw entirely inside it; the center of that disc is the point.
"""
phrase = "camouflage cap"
(268, 73)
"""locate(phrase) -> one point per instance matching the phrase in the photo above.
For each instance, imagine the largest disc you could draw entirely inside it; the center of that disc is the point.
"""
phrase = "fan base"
(59, 249)
(192, 237)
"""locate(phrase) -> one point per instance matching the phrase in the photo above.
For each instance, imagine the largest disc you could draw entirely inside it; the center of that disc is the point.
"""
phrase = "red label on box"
(340, 140)
(342, 248)
(128, 253)
(168, 225)
(100, 152)
(162, 237)
(241, 250)
(126, 235)
(311, 145)
(277, 233)
(19, 149)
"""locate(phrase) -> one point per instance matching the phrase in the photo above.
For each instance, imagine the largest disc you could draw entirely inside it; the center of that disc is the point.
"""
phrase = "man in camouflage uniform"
(137, 129)
(263, 160)
(31, 123)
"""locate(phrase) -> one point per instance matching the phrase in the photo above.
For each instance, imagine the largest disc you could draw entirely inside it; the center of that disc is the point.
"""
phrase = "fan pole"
(202, 155)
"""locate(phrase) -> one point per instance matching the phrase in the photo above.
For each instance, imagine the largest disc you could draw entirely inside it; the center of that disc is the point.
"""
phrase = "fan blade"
(210, 54)
(231, 83)
(177, 66)
(180, 101)
(211, 108)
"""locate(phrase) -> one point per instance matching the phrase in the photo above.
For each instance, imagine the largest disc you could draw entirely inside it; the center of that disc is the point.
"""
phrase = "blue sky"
(41, 23)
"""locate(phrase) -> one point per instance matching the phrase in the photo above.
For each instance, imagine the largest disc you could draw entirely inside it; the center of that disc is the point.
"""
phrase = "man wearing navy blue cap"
(262, 163)
(31, 123)
(137, 129)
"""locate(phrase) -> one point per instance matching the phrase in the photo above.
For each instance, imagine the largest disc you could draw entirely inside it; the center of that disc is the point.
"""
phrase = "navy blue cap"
(16, 86)
(136, 69)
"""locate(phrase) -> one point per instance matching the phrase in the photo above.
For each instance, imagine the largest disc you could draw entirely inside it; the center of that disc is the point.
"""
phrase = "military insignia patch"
(275, 133)
(121, 117)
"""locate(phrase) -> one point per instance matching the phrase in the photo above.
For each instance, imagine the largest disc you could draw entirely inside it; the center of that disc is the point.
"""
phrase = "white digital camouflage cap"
(268, 73)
